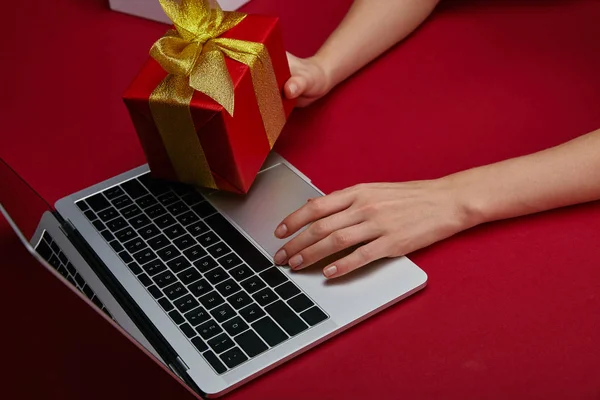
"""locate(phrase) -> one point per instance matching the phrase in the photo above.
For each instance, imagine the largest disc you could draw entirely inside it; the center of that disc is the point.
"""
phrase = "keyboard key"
(113, 192)
(238, 242)
(204, 209)
(158, 242)
(186, 303)
(168, 198)
(214, 362)
(228, 287)
(44, 250)
(209, 329)
(88, 291)
(131, 211)
(175, 290)
(144, 256)
(134, 188)
(313, 316)
(80, 281)
(181, 188)
(252, 312)
(220, 343)
(253, 284)
(211, 300)
(239, 300)
(234, 326)
(149, 231)
(63, 271)
(166, 304)
(176, 317)
(300, 303)
(121, 202)
(154, 267)
(223, 313)
(116, 246)
(287, 290)
(200, 287)
(126, 257)
(265, 296)
(208, 239)
(230, 260)
(107, 235)
(134, 245)
(108, 214)
(187, 218)
(205, 264)
(250, 343)
(155, 292)
(98, 225)
(192, 198)
(134, 267)
(269, 332)
(145, 279)
(188, 330)
(198, 228)
(285, 317)
(240, 273)
(234, 357)
(189, 275)
(199, 344)
(164, 279)
(183, 242)
(273, 277)
(71, 269)
(179, 264)
(155, 211)
(125, 234)
(177, 208)
(90, 215)
(54, 261)
(155, 186)
(168, 253)
(146, 201)
(83, 205)
(174, 231)
(219, 249)
(197, 316)
(63, 259)
(140, 221)
(116, 224)
(97, 202)
(216, 275)
(164, 221)
(194, 253)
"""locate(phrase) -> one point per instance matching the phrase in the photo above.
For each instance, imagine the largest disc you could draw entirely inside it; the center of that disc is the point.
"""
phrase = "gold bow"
(194, 56)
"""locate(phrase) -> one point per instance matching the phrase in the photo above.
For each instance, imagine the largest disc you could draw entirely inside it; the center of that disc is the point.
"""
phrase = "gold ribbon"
(194, 56)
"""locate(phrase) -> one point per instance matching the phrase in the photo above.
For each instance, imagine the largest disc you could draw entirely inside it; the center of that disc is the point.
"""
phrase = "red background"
(512, 309)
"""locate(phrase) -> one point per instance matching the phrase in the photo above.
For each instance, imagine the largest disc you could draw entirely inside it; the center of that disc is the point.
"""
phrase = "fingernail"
(292, 88)
(330, 270)
(281, 230)
(295, 261)
(280, 256)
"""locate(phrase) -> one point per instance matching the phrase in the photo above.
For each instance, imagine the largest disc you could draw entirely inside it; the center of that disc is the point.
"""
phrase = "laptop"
(189, 275)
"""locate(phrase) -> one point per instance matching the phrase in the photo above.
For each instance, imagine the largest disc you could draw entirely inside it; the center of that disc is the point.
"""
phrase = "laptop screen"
(23, 204)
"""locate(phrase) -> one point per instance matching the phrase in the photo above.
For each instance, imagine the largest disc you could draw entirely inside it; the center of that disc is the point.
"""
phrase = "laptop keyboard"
(226, 297)
(49, 250)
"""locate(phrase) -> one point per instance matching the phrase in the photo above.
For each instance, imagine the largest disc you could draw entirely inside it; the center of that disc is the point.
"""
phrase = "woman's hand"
(383, 219)
(309, 80)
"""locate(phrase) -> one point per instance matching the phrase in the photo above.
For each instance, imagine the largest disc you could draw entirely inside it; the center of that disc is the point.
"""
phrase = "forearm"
(560, 176)
(369, 28)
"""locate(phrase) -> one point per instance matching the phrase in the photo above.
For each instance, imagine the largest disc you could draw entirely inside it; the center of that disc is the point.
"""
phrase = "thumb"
(295, 86)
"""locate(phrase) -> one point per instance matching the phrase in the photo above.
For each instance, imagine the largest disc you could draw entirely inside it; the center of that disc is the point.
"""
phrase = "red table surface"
(512, 309)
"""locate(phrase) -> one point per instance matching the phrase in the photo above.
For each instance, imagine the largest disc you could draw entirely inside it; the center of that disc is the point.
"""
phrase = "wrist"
(469, 198)
(326, 66)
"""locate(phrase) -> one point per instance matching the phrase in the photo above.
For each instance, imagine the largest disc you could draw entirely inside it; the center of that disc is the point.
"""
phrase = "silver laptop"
(189, 274)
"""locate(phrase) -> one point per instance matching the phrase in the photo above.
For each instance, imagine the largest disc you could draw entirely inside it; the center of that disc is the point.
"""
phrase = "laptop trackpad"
(275, 194)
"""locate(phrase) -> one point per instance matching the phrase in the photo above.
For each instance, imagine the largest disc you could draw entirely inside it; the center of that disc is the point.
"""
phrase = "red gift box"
(201, 143)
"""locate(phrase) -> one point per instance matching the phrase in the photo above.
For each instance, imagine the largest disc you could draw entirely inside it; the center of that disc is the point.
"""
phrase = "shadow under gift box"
(235, 147)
